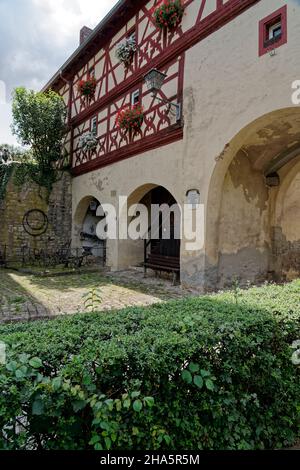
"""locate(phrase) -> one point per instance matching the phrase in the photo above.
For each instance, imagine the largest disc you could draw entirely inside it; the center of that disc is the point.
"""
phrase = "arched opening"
(158, 247)
(285, 224)
(248, 236)
(85, 223)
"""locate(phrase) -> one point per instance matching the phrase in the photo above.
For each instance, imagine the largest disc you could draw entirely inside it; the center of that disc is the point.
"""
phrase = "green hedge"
(204, 373)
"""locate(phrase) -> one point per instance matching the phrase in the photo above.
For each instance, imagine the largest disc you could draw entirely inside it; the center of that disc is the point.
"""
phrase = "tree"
(39, 122)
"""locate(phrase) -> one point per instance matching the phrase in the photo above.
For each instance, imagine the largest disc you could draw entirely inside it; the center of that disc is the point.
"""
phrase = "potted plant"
(130, 119)
(126, 50)
(168, 14)
(87, 87)
(88, 142)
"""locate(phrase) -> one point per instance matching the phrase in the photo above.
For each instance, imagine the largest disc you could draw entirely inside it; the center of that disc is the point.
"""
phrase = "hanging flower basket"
(87, 87)
(130, 119)
(168, 14)
(88, 142)
(125, 51)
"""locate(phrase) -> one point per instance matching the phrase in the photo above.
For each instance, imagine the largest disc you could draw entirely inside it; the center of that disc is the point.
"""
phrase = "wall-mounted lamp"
(154, 81)
(193, 198)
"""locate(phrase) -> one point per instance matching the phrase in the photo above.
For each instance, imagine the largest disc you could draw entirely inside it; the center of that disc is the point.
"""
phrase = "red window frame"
(278, 16)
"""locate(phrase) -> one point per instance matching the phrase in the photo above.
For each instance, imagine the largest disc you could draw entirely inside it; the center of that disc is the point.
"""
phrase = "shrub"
(201, 373)
(168, 14)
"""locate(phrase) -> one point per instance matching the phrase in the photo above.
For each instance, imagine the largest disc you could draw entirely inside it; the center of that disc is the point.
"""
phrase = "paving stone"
(26, 297)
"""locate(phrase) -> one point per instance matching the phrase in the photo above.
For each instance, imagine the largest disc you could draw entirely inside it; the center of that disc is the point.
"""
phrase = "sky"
(36, 38)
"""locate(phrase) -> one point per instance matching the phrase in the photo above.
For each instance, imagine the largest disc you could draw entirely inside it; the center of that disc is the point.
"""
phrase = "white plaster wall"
(227, 86)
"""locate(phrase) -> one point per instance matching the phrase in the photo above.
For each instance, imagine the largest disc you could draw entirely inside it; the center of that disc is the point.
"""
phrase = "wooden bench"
(160, 263)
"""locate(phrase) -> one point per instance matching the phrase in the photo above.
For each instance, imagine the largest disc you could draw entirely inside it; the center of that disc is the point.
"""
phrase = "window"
(135, 97)
(132, 35)
(273, 31)
(92, 72)
(94, 126)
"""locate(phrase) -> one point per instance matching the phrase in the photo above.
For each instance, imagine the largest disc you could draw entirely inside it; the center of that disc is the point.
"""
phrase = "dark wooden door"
(171, 246)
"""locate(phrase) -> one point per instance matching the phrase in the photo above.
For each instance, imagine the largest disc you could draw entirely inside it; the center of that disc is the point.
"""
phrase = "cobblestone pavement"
(26, 297)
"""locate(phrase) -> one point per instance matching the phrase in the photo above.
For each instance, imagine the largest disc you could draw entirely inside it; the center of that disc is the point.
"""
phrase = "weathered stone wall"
(18, 201)
(244, 243)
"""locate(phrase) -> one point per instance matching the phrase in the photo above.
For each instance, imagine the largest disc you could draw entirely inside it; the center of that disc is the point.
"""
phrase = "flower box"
(130, 119)
(87, 87)
(125, 51)
(168, 14)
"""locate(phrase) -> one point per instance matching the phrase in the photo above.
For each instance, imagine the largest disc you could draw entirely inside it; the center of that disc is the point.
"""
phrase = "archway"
(285, 223)
(158, 245)
(250, 177)
(84, 229)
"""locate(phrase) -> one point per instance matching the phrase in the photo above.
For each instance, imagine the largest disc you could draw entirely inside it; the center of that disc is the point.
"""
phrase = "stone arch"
(84, 227)
(131, 252)
(241, 201)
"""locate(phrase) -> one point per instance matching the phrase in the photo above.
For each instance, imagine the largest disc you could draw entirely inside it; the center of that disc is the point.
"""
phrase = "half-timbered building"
(234, 140)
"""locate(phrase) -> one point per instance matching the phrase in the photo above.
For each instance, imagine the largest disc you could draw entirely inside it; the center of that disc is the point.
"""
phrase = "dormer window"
(273, 31)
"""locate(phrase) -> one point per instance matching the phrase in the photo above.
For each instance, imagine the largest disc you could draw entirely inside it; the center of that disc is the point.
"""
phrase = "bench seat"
(162, 263)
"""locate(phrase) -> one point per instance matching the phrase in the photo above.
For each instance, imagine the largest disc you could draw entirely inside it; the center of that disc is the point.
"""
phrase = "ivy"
(23, 171)
(5, 175)
(10, 159)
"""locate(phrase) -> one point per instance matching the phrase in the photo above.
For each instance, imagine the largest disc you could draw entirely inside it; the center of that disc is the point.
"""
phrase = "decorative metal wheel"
(35, 223)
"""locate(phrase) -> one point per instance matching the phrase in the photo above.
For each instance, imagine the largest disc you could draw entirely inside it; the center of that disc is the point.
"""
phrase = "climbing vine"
(6, 170)
(10, 161)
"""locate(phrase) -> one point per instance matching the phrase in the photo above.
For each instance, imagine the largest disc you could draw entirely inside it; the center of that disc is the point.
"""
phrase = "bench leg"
(145, 272)
(175, 278)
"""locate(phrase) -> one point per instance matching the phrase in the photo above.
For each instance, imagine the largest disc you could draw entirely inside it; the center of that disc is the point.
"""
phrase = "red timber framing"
(163, 50)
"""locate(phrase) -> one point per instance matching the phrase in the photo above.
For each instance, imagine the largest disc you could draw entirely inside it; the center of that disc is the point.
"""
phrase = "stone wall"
(18, 201)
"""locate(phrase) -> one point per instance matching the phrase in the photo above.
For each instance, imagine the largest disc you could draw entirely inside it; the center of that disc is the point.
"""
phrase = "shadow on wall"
(243, 223)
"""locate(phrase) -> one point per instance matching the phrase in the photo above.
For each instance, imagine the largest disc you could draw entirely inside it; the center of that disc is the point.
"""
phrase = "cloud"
(5, 123)
(37, 37)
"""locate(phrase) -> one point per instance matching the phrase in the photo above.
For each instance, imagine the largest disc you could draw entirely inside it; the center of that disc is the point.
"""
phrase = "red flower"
(87, 87)
(130, 118)
(168, 13)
